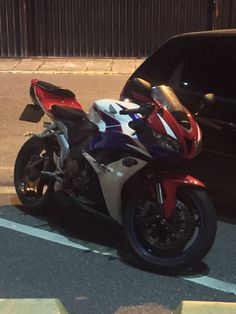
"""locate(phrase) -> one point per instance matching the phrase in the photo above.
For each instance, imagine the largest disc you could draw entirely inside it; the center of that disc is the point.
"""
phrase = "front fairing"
(188, 140)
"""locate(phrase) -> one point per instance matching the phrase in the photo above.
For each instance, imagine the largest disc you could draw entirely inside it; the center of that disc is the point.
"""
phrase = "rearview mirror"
(207, 102)
(209, 99)
(141, 89)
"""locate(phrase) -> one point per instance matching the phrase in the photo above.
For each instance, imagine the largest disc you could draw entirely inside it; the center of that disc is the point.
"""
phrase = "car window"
(223, 109)
(210, 69)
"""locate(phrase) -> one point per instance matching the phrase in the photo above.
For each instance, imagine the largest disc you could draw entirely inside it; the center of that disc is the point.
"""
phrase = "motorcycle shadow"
(101, 234)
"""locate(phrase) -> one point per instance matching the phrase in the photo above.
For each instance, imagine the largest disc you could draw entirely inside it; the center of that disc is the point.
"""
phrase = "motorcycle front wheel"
(173, 244)
(34, 191)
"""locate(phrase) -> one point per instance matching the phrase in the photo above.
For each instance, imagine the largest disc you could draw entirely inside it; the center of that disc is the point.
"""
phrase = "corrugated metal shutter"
(225, 14)
(103, 28)
(12, 28)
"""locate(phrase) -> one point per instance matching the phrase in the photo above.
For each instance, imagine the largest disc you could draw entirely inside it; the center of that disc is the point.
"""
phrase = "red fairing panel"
(170, 185)
(177, 132)
(48, 99)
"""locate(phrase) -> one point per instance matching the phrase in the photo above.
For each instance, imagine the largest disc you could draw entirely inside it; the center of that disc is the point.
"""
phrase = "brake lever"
(147, 109)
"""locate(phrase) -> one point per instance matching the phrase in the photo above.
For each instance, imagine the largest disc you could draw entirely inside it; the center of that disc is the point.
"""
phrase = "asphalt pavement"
(85, 262)
(71, 255)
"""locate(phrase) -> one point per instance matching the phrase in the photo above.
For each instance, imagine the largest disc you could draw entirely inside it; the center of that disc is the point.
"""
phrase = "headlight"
(166, 142)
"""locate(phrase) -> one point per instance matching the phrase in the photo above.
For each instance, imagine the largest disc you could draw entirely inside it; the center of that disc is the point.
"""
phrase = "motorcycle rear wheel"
(171, 245)
(34, 191)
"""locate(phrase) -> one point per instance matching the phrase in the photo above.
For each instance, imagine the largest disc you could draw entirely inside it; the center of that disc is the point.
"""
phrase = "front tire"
(34, 191)
(178, 243)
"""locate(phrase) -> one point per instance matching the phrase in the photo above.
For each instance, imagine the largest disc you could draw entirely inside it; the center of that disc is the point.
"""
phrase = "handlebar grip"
(130, 111)
(145, 110)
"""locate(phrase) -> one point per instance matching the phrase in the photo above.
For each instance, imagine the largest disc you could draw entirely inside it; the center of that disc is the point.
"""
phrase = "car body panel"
(193, 65)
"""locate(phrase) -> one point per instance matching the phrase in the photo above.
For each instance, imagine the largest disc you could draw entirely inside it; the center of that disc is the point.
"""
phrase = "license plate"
(31, 113)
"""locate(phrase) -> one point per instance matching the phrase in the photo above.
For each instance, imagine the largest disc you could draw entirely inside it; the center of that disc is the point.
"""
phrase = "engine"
(76, 172)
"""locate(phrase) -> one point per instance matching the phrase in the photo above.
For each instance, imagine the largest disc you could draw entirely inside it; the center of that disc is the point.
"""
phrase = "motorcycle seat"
(62, 92)
(79, 127)
(67, 113)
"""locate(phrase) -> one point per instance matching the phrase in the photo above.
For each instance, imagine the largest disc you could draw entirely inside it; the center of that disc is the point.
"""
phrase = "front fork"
(159, 194)
(166, 191)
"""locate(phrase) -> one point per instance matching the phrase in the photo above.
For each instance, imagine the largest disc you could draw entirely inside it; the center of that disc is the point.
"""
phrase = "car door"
(210, 68)
(194, 65)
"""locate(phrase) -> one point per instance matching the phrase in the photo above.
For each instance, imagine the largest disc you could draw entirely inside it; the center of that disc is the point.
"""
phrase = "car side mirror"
(207, 102)
(209, 99)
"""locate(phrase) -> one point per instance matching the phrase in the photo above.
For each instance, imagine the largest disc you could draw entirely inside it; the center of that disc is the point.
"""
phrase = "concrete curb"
(69, 66)
(200, 307)
(67, 72)
(7, 189)
(54, 306)
(32, 306)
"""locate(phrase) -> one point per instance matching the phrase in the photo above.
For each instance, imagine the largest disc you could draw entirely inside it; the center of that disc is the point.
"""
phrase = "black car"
(196, 64)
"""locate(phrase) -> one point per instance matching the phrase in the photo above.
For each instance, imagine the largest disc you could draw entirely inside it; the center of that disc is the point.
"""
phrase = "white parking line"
(206, 281)
(214, 283)
(47, 235)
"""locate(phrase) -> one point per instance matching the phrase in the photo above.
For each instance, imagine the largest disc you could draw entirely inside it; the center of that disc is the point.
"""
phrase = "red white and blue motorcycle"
(122, 159)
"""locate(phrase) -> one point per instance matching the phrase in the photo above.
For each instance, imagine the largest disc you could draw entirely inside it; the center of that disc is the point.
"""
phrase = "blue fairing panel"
(111, 140)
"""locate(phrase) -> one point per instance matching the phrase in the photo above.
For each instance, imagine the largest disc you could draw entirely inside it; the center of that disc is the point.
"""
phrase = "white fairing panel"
(96, 118)
(112, 108)
(112, 178)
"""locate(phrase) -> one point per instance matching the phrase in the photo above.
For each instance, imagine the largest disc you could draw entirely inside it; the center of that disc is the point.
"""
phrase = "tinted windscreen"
(166, 97)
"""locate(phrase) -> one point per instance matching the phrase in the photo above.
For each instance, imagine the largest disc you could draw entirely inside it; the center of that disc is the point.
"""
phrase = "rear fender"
(170, 185)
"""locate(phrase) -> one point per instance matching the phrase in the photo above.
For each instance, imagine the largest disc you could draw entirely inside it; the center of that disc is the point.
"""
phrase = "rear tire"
(34, 192)
(182, 241)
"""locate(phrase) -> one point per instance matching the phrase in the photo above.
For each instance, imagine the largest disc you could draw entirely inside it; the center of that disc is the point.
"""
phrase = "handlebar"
(130, 111)
(145, 110)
